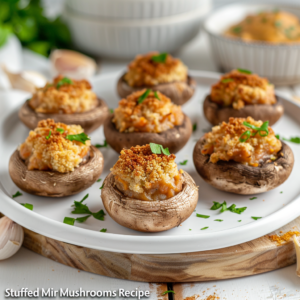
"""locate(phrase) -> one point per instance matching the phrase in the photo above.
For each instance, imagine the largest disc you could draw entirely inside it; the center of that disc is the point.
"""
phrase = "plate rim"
(135, 244)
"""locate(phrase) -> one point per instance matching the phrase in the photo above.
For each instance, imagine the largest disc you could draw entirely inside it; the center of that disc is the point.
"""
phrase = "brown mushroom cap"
(89, 120)
(179, 92)
(174, 138)
(150, 216)
(52, 183)
(237, 178)
(216, 114)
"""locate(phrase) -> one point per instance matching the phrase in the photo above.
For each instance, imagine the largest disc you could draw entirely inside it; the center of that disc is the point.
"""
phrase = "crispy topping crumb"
(76, 97)
(223, 143)
(238, 89)
(151, 115)
(147, 176)
(143, 71)
(43, 150)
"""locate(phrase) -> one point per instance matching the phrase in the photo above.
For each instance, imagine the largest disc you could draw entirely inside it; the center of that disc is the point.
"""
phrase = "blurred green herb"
(35, 31)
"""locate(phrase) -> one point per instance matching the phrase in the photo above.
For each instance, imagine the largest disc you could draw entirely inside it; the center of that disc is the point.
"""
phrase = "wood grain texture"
(254, 257)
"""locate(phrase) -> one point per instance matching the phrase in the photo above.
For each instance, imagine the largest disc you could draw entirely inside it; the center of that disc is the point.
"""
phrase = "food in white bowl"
(278, 62)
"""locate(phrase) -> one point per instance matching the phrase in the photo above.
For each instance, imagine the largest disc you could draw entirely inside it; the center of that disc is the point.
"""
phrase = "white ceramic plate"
(275, 207)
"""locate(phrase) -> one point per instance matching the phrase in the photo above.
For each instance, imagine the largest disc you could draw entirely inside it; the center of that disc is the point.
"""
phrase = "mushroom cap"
(234, 177)
(216, 114)
(174, 138)
(55, 184)
(89, 120)
(150, 216)
(179, 92)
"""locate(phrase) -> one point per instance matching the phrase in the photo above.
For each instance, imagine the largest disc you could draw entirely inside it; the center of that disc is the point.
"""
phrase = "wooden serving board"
(254, 257)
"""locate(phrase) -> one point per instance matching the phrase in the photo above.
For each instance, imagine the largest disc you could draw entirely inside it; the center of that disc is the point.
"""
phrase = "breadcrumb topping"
(238, 89)
(55, 153)
(147, 176)
(65, 99)
(223, 143)
(143, 71)
(152, 115)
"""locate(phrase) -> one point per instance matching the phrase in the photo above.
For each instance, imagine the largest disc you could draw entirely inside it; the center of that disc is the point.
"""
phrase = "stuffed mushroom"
(56, 160)
(65, 100)
(243, 156)
(146, 117)
(160, 72)
(241, 94)
(145, 191)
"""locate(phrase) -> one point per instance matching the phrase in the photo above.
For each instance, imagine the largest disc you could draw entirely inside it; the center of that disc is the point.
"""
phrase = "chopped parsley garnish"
(224, 207)
(277, 23)
(99, 180)
(194, 127)
(190, 229)
(226, 80)
(82, 219)
(111, 110)
(81, 137)
(218, 220)
(244, 71)
(295, 140)
(263, 130)
(17, 194)
(277, 136)
(104, 145)
(281, 192)
(27, 205)
(48, 136)
(159, 149)
(60, 130)
(216, 205)
(69, 221)
(204, 228)
(239, 220)
(256, 218)
(101, 187)
(168, 292)
(202, 216)
(253, 198)
(160, 58)
(80, 208)
(103, 230)
(156, 95)
(183, 163)
(63, 81)
(144, 96)
(237, 29)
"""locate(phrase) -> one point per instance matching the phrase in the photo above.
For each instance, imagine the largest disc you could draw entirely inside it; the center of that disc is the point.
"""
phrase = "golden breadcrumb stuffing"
(55, 153)
(151, 115)
(143, 175)
(238, 89)
(68, 98)
(143, 71)
(223, 143)
(267, 26)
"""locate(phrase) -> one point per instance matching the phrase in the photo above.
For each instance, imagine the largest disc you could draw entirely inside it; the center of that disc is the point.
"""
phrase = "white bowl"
(127, 38)
(135, 9)
(279, 63)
